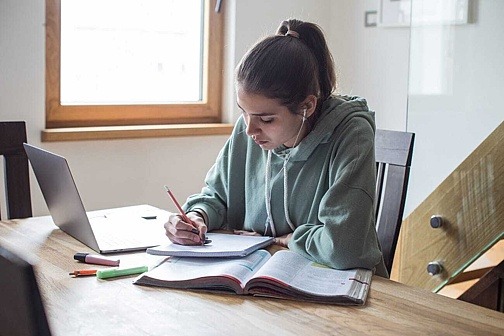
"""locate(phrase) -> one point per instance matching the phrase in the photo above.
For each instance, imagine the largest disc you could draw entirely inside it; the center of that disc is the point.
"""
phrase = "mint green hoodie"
(330, 191)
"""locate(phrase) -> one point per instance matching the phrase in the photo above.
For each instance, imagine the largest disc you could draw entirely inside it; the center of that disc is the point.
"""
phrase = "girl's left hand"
(246, 233)
(283, 240)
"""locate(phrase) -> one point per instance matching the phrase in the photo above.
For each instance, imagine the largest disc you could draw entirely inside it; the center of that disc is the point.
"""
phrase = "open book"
(285, 275)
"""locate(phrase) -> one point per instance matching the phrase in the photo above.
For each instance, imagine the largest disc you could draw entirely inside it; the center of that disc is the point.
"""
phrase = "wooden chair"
(488, 291)
(393, 152)
(22, 311)
(17, 183)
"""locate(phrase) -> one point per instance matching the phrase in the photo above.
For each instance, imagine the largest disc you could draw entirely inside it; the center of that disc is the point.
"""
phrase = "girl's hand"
(283, 240)
(246, 233)
(180, 232)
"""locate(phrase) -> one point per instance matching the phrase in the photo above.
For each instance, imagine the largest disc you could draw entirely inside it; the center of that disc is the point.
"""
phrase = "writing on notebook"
(223, 245)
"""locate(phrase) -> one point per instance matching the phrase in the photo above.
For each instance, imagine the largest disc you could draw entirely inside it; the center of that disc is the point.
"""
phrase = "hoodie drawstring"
(267, 191)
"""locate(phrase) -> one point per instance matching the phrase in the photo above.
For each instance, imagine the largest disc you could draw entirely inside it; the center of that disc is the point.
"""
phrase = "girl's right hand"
(180, 232)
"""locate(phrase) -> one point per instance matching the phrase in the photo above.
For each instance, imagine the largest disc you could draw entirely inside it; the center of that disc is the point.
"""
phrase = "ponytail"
(289, 66)
(311, 35)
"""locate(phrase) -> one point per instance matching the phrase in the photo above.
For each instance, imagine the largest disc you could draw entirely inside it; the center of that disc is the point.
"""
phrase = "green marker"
(117, 272)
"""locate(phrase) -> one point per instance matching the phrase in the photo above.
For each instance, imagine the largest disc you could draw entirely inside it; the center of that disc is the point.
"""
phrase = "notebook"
(21, 308)
(116, 230)
(222, 245)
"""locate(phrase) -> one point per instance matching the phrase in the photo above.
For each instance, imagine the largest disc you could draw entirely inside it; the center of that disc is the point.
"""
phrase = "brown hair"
(289, 66)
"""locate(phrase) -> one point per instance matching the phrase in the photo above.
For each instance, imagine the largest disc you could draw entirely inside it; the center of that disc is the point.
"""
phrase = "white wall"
(373, 61)
(457, 80)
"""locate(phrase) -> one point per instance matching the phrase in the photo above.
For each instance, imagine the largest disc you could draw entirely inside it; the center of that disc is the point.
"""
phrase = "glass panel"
(131, 51)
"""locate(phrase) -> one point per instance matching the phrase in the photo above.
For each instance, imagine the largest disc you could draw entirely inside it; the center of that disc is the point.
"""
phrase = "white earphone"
(300, 128)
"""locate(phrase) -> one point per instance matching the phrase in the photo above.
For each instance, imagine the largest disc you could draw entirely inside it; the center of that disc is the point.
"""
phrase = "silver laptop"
(105, 231)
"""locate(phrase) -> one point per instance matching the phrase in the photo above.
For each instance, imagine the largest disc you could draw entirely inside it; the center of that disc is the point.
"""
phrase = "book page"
(181, 272)
(295, 271)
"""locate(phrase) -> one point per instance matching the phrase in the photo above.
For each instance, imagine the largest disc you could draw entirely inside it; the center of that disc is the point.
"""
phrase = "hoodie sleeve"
(347, 236)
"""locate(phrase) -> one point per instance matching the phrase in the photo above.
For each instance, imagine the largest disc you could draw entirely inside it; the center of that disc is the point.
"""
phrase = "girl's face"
(269, 123)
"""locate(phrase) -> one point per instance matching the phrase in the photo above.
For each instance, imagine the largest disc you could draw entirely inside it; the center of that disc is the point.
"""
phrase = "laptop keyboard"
(125, 232)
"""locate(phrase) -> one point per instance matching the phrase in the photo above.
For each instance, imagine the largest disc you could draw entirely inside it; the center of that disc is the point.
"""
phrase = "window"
(132, 62)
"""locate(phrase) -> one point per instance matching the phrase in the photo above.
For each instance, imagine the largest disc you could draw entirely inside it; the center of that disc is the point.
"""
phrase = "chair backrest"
(21, 308)
(17, 182)
(488, 290)
(393, 151)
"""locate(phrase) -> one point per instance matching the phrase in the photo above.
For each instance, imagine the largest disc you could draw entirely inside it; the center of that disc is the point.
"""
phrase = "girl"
(300, 162)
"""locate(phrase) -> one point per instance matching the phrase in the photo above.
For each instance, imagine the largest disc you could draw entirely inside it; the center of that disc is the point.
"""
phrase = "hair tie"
(292, 33)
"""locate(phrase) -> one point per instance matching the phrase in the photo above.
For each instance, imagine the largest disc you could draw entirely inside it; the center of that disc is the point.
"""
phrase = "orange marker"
(83, 272)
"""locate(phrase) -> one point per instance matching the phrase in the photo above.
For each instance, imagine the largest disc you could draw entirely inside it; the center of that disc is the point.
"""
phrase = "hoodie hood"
(335, 113)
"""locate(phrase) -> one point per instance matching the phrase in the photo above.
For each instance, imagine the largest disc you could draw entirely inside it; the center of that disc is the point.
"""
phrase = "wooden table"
(88, 306)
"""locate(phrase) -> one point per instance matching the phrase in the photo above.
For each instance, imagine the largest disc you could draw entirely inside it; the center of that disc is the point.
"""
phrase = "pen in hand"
(183, 214)
(179, 208)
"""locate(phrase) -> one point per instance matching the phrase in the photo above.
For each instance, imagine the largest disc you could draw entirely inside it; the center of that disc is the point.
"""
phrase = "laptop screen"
(61, 195)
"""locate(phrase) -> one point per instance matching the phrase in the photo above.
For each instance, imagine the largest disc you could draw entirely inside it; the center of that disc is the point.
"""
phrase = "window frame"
(206, 111)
